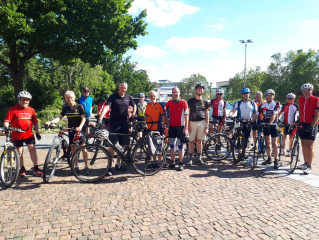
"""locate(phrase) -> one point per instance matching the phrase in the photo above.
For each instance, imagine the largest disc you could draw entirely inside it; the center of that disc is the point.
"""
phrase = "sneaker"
(245, 156)
(120, 167)
(76, 169)
(172, 164)
(282, 152)
(22, 172)
(276, 164)
(37, 172)
(308, 170)
(289, 150)
(86, 171)
(201, 162)
(180, 168)
(302, 167)
(190, 163)
(109, 173)
(268, 161)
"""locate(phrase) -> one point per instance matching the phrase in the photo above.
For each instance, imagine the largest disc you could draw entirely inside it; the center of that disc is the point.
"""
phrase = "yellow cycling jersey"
(141, 109)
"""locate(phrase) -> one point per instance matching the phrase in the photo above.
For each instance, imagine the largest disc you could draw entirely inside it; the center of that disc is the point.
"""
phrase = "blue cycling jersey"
(87, 103)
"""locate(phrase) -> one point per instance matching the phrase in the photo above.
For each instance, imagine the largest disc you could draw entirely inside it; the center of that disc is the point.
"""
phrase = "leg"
(254, 135)
(304, 145)
(191, 147)
(267, 142)
(310, 152)
(172, 146)
(274, 147)
(284, 141)
(33, 154)
(20, 151)
(199, 146)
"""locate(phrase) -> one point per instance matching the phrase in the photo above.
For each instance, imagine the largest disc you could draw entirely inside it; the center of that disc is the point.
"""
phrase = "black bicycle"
(259, 147)
(294, 158)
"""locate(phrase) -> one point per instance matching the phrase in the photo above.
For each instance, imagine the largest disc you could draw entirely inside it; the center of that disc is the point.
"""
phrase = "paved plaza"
(218, 201)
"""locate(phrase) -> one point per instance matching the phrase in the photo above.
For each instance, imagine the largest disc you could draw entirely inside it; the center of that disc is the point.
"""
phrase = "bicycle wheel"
(238, 148)
(280, 147)
(98, 161)
(9, 167)
(143, 163)
(257, 151)
(89, 139)
(51, 162)
(217, 147)
(294, 156)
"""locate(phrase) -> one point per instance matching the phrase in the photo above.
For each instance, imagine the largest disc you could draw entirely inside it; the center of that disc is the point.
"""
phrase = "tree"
(187, 86)
(64, 30)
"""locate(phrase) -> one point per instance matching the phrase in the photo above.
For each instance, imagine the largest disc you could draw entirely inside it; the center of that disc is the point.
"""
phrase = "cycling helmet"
(199, 85)
(245, 90)
(77, 137)
(141, 95)
(220, 91)
(184, 138)
(106, 97)
(291, 95)
(101, 134)
(307, 86)
(270, 91)
(86, 89)
(24, 94)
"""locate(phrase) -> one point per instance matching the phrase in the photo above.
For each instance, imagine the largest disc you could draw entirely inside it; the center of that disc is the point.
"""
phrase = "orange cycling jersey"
(155, 111)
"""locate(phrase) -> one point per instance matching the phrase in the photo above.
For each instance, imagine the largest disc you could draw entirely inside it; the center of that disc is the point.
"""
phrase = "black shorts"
(290, 130)
(220, 119)
(273, 131)
(175, 132)
(254, 126)
(71, 136)
(123, 125)
(308, 135)
(19, 143)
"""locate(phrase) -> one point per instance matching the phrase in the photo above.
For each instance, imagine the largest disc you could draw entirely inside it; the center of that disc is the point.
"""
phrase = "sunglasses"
(289, 98)
(219, 94)
(245, 93)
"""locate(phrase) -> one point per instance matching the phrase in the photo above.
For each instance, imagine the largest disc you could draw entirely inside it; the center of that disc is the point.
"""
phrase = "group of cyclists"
(188, 121)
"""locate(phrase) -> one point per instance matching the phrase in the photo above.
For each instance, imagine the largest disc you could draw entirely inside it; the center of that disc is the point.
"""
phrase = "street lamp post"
(210, 88)
(248, 41)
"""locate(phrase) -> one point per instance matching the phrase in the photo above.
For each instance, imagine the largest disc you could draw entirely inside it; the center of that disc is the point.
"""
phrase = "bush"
(3, 113)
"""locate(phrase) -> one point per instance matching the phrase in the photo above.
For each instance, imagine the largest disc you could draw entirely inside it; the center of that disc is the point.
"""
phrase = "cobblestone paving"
(218, 201)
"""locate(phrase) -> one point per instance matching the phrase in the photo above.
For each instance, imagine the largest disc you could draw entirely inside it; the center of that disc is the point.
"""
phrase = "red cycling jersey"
(307, 108)
(100, 108)
(177, 112)
(218, 107)
(290, 112)
(21, 117)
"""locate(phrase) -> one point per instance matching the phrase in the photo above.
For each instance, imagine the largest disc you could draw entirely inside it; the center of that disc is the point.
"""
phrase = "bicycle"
(238, 139)
(294, 158)
(53, 156)
(10, 160)
(259, 147)
(99, 158)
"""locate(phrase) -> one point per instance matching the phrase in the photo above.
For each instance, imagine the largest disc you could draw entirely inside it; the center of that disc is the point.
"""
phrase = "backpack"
(155, 143)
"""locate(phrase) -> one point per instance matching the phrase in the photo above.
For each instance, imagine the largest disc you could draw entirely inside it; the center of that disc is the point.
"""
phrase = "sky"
(187, 37)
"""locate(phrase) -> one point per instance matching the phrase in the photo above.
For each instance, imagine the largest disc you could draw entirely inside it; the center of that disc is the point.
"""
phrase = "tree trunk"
(17, 82)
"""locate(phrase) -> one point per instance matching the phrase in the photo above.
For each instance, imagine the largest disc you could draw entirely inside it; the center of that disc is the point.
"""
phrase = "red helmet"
(86, 89)
(77, 137)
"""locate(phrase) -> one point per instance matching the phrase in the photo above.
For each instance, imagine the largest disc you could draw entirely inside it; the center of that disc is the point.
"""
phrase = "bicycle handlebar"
(14, 129)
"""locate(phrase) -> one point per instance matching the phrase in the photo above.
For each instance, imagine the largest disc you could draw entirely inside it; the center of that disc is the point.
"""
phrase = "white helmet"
(220, 91)
(307, 86)
(24, 94)
(101, 134)
(270, 91)
(291, 95)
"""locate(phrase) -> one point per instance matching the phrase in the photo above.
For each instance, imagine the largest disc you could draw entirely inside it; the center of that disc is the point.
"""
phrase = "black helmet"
(184, 138)
(199, 85)
(106, 97)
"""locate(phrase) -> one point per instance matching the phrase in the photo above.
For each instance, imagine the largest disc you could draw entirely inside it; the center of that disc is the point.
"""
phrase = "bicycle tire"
(280, 147)
(238, 148)
(50, 163)
(89, 139)
(256, 152)
(142, 162)
(97, 156)
(215, 151)
(9, 170)
(294, 156)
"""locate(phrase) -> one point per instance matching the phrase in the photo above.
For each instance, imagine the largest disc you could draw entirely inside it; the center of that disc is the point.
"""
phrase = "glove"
(38, 136)
(309, 129)
(99, 121)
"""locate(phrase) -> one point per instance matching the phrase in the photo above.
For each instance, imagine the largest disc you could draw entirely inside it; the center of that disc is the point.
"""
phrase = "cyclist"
(290, 110)
(199, 122)
(218, 106)
(76, 119)
(246, 111)
(269, 111)
(21, 116)
(155, 110)
(106, 117)
(178, 124)
(119, 103)
(309, 115)
(88, 103)
(258, 100)
(141, 106)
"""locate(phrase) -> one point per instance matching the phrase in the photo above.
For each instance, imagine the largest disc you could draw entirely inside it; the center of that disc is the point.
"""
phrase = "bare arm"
(272, 119)
(81, 124)
(186, 125)
(315, 119)
(56, 120)
(231, 113)
(134, 110)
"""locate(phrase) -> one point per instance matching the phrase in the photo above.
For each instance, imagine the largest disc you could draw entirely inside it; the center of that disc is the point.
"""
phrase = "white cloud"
(170, 66)
(162, 12)
(218, 26)
(204, 43)
(150, 51)
(224, 54)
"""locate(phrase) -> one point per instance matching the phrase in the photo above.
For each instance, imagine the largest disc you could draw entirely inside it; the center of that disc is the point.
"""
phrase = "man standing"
(106, 117)
(88, 103)
(141, 106)
(258, 100)
(178, 124)
(199, 123)
(22, 116)
(246, 111)
(309, 115)
(269, 111)
(218, 106)
(119, 103)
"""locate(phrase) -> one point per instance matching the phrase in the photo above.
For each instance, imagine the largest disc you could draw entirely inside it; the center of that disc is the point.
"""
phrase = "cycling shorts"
(220, 119)
(254, 125)
(71, 136)
(308, 135)
(123, 125)
(290, 130)
(19, 143)
(175, 132)
(273, 131)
